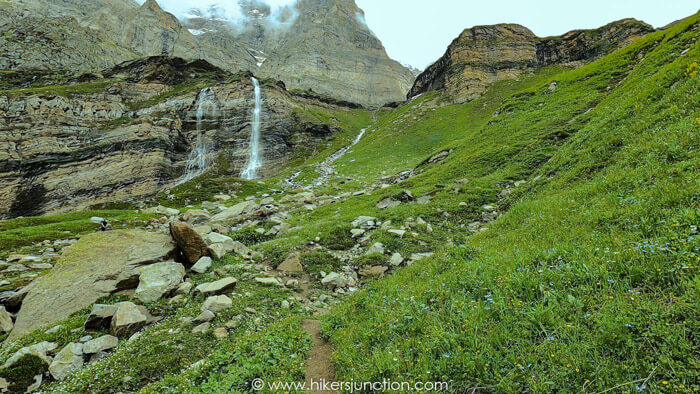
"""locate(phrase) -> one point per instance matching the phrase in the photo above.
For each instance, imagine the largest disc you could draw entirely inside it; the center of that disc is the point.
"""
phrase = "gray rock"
(159, 279)
(217, 303)
(291, 264)
(396, 259)
(69, 359)
(202, 265)
(127, 320)
(357, 232)
(377, 248)
(205, 316)
(40, 350)
(184, 288)
(6, 324)
(362, 220)
(100, 317)
(269, 281)
(218, 287)
(418, 256)
(96, 266)
(388, 203)
(372, 271)
(235, 213)
(244, 251)
(196, 216)
(202, 328)
(399, 233)
(101, 344)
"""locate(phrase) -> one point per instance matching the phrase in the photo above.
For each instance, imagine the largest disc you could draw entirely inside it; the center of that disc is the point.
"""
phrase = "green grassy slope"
(589, 279)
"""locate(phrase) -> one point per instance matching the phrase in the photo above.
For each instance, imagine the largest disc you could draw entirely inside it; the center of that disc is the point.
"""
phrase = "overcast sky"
(417, 32)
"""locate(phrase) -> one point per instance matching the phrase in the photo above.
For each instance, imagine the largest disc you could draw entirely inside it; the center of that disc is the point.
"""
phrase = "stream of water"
(197, 162)
(254, 161)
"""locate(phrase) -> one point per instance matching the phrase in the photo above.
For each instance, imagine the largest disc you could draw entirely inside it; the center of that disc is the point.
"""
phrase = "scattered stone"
(184, 288)
(16, 268)
(100, 317)
(217, 303)
(489, 208)
(377, 248)
(127, 320)
(40, 350)
(203, 229)
(233, 215)
(157, 280)
(291, 263)
(372, 271)
(161, 210)
(84, 339)
(6, 324)
(337, 280)
(220, 333)
(202, 328)
(69, 359)
(96, 220)
(41, 266)
(356, 233)
(54, 329)
(285, 304)
(196, 216)
(418, 256)
(406, 196)
(388, 203)
(396, 259)
(424, 200)
(222, 197)
(250, 310)
(244, 251)
(202, 265)
(269, 281)
(205, 316)
(362, 221)
(218, 287)
(101, 344)
(189, 241)
(292, 283)
(399, 233)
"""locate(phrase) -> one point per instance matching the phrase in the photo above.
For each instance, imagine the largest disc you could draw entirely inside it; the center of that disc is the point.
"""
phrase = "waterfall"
(254, 162)
(197, 162)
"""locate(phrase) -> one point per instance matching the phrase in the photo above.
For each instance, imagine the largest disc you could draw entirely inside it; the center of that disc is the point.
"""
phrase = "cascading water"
(197, 162)
(254, 162)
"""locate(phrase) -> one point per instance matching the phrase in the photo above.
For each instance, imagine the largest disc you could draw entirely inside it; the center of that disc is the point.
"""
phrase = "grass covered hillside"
(541, 238)
(589, 277)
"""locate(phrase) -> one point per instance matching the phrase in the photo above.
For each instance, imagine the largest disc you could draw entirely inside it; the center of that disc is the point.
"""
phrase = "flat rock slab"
(96, 266)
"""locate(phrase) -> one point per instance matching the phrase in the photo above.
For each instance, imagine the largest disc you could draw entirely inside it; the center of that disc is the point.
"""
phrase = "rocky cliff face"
(330, 49)
(135, 133)
(322, 45)
(486, 54)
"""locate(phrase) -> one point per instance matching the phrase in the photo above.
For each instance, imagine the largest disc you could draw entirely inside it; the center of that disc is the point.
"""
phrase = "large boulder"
(189, 241)
(127, 320)
(158, 280)
(69, 359)
(96, 266)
